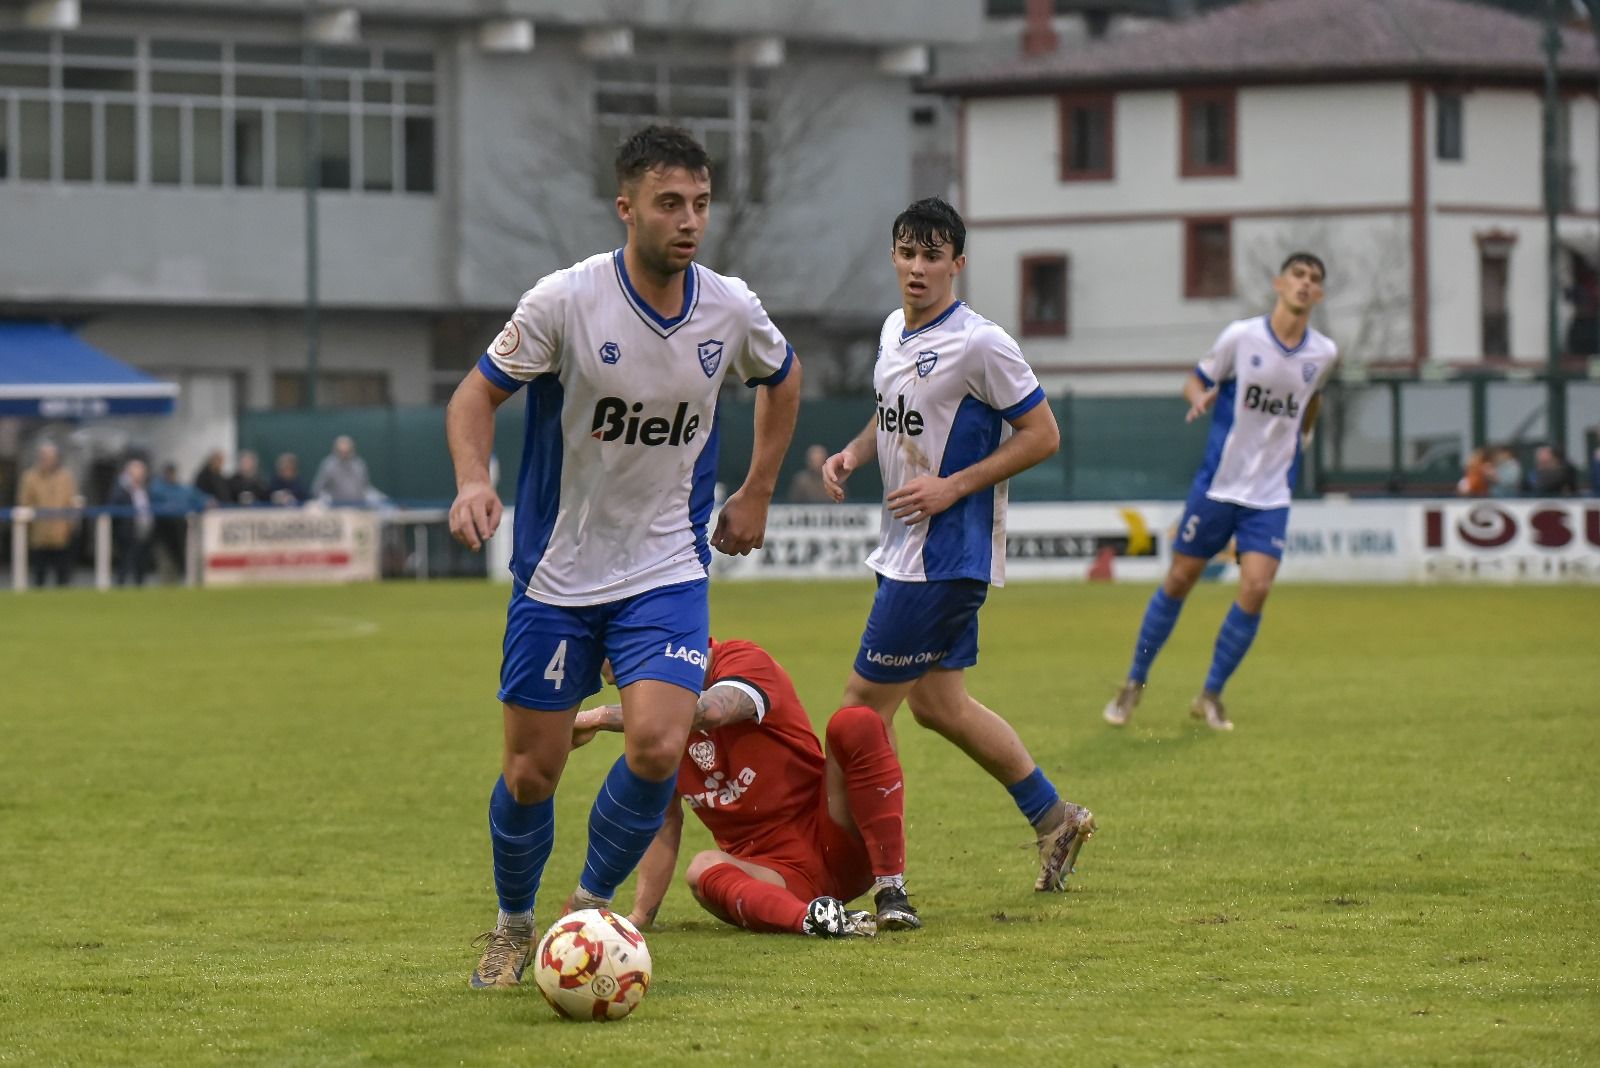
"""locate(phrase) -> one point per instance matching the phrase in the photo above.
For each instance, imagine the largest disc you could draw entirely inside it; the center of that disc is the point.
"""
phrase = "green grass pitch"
(249, 827)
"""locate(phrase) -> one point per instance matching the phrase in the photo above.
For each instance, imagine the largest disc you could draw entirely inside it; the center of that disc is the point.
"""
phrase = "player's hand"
(475, 515)
(835, 469)
(587, 724)
(921, 498)
(742, 524)
(1201, 406)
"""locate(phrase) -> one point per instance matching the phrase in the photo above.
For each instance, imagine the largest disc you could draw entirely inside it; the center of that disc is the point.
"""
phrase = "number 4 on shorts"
(556, 670)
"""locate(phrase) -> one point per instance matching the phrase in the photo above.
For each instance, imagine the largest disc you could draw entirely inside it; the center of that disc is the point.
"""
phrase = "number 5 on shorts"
(1190, 529)
(556, 670)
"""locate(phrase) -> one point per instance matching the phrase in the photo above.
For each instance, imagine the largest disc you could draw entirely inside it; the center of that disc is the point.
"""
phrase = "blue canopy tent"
(47, 372)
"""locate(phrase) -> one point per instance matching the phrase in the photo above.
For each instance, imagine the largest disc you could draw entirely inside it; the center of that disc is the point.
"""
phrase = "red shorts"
(821, 859)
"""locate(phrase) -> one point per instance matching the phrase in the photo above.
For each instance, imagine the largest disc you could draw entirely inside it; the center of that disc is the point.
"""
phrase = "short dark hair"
(660, 146)
(930, 223)
(1310, 259)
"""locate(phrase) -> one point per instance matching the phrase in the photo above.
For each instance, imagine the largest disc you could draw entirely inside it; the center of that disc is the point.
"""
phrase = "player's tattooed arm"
(723, 704)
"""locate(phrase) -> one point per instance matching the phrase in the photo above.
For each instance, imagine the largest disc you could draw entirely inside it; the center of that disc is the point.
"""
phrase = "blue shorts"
(1206, 526)
(915, 627)
(553, 652)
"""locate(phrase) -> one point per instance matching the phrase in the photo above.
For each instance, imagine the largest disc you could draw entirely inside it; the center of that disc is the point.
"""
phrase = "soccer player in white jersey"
(624, 356)
(1262, 382)
(958, 412)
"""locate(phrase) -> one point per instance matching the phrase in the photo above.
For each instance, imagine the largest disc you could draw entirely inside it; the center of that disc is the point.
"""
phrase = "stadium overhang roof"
(47, 371)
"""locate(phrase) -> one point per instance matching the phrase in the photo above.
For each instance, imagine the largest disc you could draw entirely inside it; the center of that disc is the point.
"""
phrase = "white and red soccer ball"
(592, 965)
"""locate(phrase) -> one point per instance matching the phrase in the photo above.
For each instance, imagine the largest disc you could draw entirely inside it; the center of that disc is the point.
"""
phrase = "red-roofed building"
(1128, 196)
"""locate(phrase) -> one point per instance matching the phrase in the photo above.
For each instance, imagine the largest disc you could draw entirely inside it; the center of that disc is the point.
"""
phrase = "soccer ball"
(592, 965)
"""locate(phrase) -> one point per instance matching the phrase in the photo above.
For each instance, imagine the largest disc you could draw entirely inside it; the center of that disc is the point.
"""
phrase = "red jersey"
(757, 784)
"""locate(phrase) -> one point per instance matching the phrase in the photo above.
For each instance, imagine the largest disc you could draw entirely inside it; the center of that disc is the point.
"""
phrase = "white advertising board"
(247, 546)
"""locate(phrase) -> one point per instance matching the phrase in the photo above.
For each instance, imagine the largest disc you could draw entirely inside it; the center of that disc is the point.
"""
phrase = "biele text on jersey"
(1263, 387)
(945, 392)
(619, 459)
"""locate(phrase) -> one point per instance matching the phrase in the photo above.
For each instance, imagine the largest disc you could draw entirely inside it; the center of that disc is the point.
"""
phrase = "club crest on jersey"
(925, 362)
(704, 754)
(710, 352)
(610, 353)
(1308, 371)
(1255, 361)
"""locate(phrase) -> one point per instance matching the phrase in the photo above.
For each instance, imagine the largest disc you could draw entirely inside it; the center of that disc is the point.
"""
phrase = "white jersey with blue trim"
(945, 392)
(620, 456)
(1263, 387)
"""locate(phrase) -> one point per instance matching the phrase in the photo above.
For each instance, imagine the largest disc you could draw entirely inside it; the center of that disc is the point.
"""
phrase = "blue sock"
(1233, 641)
(1160, 616)
(627, 814)
(522, 837)
(1035, 795)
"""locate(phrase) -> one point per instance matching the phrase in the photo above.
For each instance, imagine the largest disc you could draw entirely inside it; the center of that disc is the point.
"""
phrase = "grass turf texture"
(249, 826)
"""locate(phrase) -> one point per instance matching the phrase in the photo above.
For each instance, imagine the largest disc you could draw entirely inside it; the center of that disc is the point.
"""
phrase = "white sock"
(585, 899)
(515, 919)
(884, 882)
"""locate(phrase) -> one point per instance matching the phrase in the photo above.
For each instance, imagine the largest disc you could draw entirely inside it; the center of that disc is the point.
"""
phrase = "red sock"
(874, 784)
(746, 901)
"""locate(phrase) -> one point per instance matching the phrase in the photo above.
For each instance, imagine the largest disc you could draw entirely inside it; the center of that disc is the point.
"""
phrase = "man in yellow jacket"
(47, 484)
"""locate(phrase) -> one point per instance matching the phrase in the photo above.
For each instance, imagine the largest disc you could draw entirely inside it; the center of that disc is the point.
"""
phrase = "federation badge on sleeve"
(509, 341)
(710, 352)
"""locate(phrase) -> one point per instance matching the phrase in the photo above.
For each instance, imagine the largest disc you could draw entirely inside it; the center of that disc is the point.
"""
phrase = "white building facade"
(1126, 199)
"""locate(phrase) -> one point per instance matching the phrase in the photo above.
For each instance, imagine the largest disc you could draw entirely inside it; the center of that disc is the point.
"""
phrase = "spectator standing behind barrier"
(342, 477)
(805, 485)
(1479, 476)
(171, 501)
(286, 487)
(134, 534)
(1507, 473)
(49, 485)
(211, 481)
(246, 485)
(1553, 475)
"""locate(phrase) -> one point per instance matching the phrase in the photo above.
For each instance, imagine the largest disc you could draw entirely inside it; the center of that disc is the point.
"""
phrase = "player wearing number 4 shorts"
(959, 412)
(623, 356)
(1262, 382)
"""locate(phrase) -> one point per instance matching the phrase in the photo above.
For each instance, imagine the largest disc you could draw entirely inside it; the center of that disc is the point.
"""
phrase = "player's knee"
(527, 782)
(1253, 594)
(853, 727)
(702, 863)
(656, 759)
(930, 714)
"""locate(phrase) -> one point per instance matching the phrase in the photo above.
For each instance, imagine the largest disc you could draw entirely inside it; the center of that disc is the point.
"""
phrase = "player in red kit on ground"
(798, 832)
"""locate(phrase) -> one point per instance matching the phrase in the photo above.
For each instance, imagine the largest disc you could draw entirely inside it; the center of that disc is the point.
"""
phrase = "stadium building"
(153, 175)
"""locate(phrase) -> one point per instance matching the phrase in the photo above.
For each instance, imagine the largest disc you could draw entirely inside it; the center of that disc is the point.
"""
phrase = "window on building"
(1447, 131)
(181, 112)
(1208, 258)
(1044, 296)
(1209, 118)
(1494, 274)
(1087, 137)
(724, 107)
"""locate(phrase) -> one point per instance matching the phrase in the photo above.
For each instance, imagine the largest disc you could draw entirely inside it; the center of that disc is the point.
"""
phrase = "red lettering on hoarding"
(1435, 528)
(1550, 528)
(1487, 527)
(313, 558)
